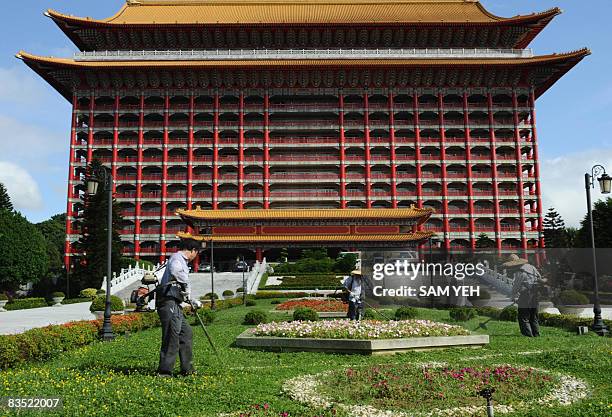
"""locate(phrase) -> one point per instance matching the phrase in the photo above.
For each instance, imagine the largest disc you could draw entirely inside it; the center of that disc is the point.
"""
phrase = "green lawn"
(117, 378)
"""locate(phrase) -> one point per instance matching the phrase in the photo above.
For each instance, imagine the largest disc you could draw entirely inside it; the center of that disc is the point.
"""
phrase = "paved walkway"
(19, 321)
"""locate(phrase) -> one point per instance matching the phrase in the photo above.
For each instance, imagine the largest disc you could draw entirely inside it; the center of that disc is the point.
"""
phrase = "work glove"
(195, 304)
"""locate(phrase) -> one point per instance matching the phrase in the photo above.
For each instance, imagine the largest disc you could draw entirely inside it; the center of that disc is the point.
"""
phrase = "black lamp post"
(244, 289)
(101, 175)
(432, 239)
(212, 273)
(605, 184)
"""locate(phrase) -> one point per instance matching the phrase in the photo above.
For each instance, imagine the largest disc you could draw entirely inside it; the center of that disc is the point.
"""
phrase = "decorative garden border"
(304, 390)
(322, 314)
(357, 346)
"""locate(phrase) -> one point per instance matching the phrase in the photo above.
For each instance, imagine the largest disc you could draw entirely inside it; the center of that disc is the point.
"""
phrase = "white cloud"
(18, 85)
(562, 181)
(22, 188)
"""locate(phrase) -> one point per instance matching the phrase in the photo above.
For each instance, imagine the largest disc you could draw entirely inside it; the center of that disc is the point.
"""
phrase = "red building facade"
(305, 105)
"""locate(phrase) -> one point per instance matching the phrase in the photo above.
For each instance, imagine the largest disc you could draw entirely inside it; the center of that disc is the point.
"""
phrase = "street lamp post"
(102, 175)
(431, 283)
(605, 183)
(212, 274)
(244, 289)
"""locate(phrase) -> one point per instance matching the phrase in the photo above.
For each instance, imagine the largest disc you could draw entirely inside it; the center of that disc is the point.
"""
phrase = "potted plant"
(57, 298)
(99, 304)
(482, 299)
(3, 301)
(572, 302)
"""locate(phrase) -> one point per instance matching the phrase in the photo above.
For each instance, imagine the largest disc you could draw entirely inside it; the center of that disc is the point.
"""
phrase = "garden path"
(18, 321)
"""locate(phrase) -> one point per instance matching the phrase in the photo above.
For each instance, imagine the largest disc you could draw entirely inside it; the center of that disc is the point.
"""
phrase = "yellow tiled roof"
(136, 12)
(306, 214)
(68, 62)
(411, 237)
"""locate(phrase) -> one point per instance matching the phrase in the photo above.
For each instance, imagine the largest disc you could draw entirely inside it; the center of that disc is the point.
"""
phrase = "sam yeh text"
(428, 291)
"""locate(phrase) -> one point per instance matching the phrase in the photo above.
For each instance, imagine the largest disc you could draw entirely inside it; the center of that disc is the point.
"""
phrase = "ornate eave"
(167, 25)
(68, 75)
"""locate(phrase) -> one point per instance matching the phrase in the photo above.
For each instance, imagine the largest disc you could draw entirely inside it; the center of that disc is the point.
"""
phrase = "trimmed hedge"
(228, 293)
(263, 295)
(99, 303)
(462, 313)
(256, 317)
(562, 321)
(47, 342)
(305, 314)
(88, 293)
(405, 313)
(26, 303)
(75, 300)
(307, 282)
(572, 297)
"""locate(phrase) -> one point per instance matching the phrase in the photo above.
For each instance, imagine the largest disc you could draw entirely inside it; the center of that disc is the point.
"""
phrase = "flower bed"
(307, 282)
(315, 304)
(365, 329)
(434, 390)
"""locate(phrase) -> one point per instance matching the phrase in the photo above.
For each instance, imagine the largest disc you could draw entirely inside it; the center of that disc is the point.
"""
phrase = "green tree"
(24, 251)
(555, 235)
(571, 234)
(602, 224)
(345, 263)
(484, 242)
(54, 231)
(5, 200)
(92, 245)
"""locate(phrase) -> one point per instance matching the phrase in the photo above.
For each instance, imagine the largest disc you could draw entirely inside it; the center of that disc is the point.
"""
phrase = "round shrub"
(483, 295)
(207, 316)
(3, 296)
(239, 289)
(250, 303)
(305, 314)
(99, 303)
(369, 314)
(509, 313)
(572, 297)
(88, 293)
(58, 294)
(228, 293)
(256, 317)
(275, 302)
(208, 296)
(405, 313)
(462, 313)
(100, 292)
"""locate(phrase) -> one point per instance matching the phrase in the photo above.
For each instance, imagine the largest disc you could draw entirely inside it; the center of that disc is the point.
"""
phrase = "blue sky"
(573, 117)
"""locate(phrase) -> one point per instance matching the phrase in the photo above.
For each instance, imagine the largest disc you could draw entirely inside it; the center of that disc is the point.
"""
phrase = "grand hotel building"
(306, 104)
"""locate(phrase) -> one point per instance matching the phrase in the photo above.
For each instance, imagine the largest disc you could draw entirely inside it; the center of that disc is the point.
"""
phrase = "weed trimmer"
(195, 311)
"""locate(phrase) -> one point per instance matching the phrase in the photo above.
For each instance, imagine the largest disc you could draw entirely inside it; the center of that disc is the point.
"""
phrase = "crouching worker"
(355, 292)
(174, 289)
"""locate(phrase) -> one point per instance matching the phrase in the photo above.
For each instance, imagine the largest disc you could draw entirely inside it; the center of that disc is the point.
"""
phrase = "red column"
(162, 242)
(241, 153)
(259, 254)
(71, 181)
(468, 170)
(115, 140)
(446, 224)
(519, 169)
(536, 165)
(137, 212)
(190, 155)
(342, 151)
(266, 177)
(417, 148)
(492, 141)
(90, 138)
(392, 149)
(215, 162)
(366, 118)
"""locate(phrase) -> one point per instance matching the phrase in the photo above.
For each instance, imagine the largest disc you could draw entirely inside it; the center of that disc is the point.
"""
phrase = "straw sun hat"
(514, 260)
(356, 272)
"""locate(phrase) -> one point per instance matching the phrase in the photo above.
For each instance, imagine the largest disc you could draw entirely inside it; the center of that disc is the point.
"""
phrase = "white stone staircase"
(132, 275)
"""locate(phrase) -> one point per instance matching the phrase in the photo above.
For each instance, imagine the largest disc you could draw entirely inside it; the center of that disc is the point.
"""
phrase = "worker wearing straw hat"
(354, 286)
(525, 293)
